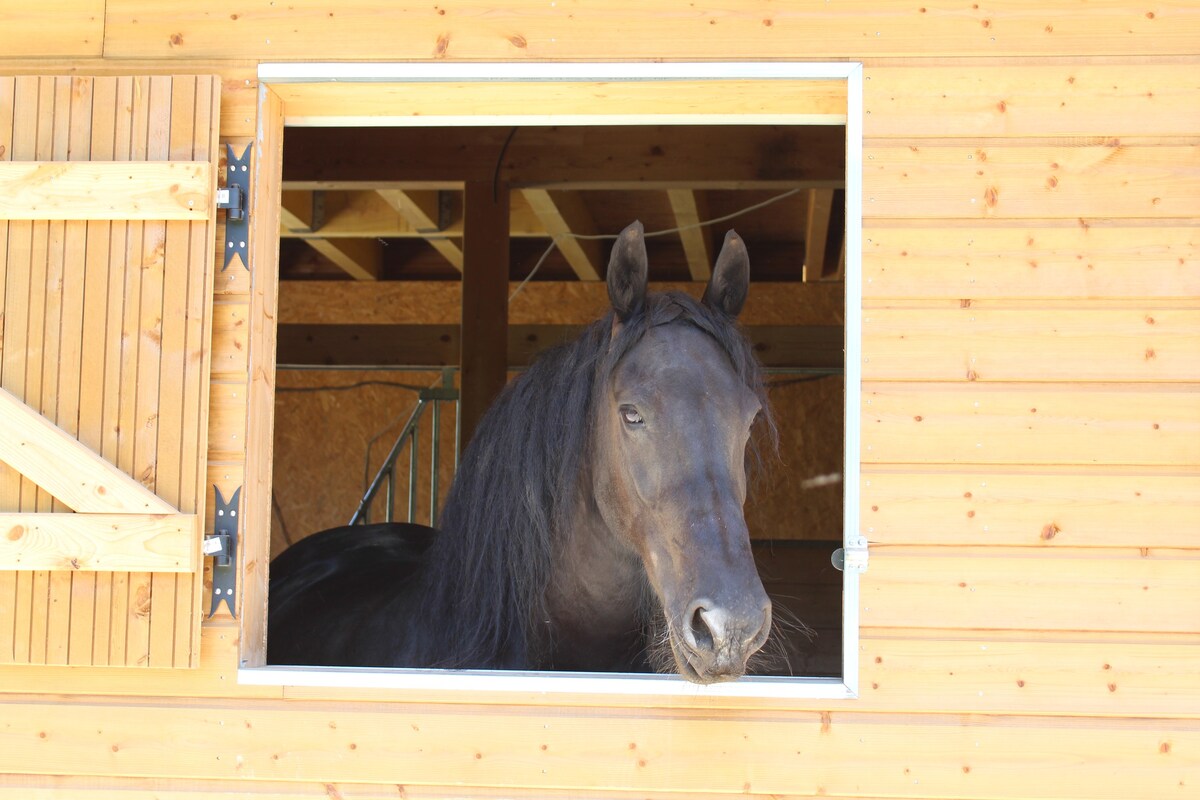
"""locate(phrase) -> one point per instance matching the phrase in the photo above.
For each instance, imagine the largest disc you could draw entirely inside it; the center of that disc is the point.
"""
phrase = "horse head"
(672, 429)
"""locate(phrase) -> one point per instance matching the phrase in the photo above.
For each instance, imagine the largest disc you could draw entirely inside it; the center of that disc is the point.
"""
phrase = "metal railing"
(385, 478)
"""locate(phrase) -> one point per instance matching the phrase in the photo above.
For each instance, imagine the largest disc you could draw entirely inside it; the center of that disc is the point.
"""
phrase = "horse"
(595, 523)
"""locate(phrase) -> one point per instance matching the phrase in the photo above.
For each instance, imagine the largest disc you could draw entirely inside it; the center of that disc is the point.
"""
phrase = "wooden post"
(484, 338)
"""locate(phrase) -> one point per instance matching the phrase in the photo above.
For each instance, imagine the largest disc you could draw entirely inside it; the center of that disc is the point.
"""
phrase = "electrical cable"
(664, 232)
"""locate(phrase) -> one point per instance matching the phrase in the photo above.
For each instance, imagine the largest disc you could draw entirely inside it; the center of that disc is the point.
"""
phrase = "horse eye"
(631, 416)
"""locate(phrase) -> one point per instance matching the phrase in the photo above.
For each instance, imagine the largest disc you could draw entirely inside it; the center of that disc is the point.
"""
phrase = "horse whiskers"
(656, 633)
(785, 621)
(773, 658)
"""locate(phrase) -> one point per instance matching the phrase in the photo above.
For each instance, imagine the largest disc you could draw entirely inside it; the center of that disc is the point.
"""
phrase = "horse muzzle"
(714, 640)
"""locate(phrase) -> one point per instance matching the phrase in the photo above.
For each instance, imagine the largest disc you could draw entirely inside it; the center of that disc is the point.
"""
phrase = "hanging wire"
(664, 232)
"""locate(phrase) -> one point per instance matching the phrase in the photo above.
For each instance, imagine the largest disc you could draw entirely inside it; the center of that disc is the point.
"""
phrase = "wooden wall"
(1030, 429)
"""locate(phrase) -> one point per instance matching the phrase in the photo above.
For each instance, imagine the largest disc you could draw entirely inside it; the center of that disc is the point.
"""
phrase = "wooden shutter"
(107, 206)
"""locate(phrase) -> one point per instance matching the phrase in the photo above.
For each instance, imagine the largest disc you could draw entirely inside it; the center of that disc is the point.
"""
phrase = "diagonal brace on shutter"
(120, 525)
(56, 461)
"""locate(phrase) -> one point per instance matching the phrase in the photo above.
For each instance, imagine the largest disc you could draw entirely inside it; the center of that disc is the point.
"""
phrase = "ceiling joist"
(301, 214)
(690, 210)
(428, 215)
(816, 232)
(563, 214)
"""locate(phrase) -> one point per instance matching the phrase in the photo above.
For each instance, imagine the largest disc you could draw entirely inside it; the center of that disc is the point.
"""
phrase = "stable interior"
(371, 260)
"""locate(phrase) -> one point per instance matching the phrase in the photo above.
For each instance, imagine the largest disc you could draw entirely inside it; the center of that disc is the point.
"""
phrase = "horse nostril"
(701, 635)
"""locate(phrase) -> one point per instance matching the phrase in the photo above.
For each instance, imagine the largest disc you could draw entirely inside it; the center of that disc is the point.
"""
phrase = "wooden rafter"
(420, 209)
(690, 210)
(564, 213)
(365, 213)
(816, 232)
(361, 258)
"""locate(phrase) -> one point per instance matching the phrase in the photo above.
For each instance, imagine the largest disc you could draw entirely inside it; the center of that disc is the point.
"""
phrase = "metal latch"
(853, 557)
(235, 199)
(221, 544)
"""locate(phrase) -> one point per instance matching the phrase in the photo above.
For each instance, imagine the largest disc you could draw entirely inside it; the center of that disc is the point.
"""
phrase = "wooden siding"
(1032, 614)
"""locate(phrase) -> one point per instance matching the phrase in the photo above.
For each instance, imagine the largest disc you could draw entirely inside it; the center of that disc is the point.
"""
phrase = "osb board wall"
(330, 442)
(1030, 623)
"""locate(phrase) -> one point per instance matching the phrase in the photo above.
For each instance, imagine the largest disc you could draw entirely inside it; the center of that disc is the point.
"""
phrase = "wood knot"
(1050, 531)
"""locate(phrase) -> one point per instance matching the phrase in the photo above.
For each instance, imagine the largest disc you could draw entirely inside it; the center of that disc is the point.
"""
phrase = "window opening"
(342, 376)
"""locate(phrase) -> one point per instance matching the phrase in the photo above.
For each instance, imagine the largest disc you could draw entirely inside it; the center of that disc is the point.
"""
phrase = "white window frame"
(492, 681)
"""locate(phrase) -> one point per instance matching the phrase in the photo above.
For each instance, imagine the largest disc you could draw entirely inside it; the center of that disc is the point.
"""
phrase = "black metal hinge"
(235, 199)
(222, 544)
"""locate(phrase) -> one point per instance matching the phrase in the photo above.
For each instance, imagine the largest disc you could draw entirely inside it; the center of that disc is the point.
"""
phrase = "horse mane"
(518, 486)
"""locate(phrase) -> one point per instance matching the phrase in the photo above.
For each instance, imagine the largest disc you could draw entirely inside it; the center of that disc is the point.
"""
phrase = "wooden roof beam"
(366, 213)
(300, 214)
(690, 210)
(564, 213)
(361, 259)
(589, 157)
(816, 232)
(423, 210)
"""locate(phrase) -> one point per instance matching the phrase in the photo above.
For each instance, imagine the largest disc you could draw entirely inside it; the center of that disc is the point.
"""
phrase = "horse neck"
(595, 596)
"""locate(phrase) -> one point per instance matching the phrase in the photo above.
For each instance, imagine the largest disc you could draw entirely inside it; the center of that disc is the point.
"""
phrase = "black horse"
(595, 523)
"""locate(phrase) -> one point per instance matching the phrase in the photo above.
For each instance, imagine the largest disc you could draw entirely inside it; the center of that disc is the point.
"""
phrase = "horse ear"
(730, 280)
(627, 272)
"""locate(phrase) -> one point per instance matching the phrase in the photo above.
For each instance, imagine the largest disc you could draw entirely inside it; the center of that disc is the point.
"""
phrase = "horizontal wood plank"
(57, 462)
(564, 102)
(115, 190)
(1031, 424)
(1030, 262)
(538, 302)
(230, 339)
(1027, 508)
(1043, 344)
(99, 542)
(1073, 179)
(73, 29)
(627, 157)
(1023, 100)
(1005, 676)
(57, 786)
(585, 749)
(227, 420)
(426, 346)
(524, 29)
(1064, 590)
(53, 787)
